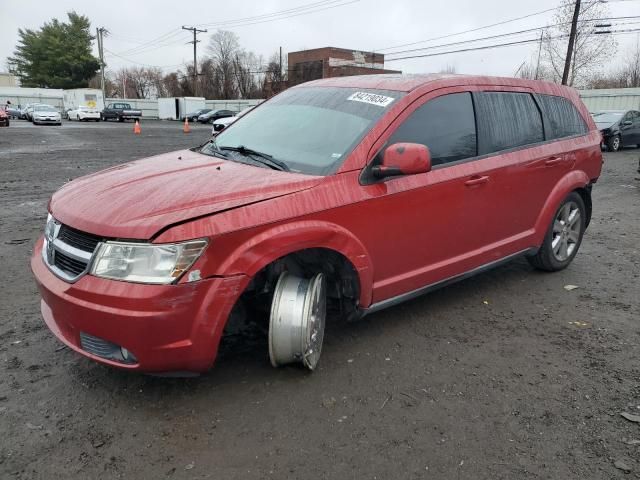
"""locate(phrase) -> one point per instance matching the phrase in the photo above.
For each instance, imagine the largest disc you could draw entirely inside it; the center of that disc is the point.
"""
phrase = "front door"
(423, 227)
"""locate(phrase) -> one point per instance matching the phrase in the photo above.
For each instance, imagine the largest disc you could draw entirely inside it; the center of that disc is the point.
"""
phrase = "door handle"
(551, 161)
(477, 180)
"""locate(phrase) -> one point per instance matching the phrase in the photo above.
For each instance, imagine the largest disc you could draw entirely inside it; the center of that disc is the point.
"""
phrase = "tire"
(614, 143)
(564, 236)
(120, 119)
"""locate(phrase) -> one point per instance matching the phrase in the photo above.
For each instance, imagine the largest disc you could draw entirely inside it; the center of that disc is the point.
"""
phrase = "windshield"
(44, 108)
(607, 117)
(310, 129)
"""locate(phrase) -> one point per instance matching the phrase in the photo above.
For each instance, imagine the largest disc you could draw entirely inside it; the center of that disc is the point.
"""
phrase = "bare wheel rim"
(317, 310)
(296, 324)
(566, 231)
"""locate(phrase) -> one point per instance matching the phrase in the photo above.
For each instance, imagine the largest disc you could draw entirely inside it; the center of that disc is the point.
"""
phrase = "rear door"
(627, 130)
(635, 120)
(519, 167)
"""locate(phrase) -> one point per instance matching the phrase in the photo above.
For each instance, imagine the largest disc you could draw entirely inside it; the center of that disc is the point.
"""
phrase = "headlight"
(145, 263)
(49, 227)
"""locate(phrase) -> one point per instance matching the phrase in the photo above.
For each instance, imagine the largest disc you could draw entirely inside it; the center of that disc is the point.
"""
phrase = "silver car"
(43, 114)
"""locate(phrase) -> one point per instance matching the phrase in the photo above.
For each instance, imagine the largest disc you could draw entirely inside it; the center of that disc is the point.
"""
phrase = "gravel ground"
(505, 375)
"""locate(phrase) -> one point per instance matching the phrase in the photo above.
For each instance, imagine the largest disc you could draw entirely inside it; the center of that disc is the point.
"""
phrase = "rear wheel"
(563, 239)
(296, 325)
(614, 143)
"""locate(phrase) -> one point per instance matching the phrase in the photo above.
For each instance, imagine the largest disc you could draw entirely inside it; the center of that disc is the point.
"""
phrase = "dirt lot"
(504, 376)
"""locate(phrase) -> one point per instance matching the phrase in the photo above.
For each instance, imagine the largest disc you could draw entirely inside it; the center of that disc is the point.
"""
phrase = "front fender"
(567, 184)
(258, 251)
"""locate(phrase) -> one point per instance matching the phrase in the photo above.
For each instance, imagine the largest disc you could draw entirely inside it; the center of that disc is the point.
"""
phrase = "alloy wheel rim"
(616, 143)
(316, 321)
(566, 231)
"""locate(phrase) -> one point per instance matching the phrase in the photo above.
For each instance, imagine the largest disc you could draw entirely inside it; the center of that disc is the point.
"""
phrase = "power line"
(487, 47)
(138, 63)
(502, 35)
(272, 14)
(484, 27)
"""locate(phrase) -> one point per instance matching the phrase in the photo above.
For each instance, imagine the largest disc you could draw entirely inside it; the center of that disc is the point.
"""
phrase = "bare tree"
(223, 47)
(625, 76)
(448, 69)
(590, 51)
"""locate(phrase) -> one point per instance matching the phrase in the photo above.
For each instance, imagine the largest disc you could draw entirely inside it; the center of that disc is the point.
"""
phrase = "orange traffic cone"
(186, 128)
(136, 128)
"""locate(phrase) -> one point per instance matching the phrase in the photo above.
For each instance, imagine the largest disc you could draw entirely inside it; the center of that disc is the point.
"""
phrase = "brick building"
(327, 62)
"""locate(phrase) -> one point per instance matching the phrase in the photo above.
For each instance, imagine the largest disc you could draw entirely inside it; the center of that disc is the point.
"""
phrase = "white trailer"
(83, 97)
(177, 108)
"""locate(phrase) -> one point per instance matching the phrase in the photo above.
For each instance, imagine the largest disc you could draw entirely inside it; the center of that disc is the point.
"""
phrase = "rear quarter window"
(507, 120)
(563, 118)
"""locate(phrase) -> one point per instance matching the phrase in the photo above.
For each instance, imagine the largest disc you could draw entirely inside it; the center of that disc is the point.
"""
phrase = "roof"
(409, 82)
(385, 81)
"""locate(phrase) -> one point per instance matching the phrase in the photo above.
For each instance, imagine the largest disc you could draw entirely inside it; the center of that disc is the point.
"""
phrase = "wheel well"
(342, 282)
(585, 194)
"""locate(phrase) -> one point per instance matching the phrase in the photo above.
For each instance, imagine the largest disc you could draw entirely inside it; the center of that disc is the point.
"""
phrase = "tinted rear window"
(507, 120)
(446, 125)
(562, 116)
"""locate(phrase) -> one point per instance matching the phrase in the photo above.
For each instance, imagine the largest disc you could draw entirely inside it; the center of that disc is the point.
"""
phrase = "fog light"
(127, 356)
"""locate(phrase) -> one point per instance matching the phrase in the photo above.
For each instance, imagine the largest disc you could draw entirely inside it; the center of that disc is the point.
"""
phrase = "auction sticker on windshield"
(372, 98)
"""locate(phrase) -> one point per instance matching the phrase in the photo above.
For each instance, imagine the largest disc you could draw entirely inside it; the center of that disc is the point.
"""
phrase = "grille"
(78, 239)
(99, 347)
(103, 348)
(69, 252)
(69, 265)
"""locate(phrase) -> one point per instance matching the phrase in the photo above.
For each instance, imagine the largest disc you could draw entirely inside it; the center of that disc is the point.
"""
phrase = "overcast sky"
(147, 32)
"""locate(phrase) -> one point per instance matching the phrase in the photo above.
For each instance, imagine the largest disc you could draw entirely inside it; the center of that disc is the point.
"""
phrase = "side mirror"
(627, 123)
(403, 159)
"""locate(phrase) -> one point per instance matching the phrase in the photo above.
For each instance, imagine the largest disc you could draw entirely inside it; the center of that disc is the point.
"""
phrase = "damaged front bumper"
(150, 328)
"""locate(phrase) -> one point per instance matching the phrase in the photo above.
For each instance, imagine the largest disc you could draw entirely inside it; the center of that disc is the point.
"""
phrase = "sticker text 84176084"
(372, 98)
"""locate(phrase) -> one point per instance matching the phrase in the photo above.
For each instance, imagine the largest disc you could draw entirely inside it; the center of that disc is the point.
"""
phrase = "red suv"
(345, 195)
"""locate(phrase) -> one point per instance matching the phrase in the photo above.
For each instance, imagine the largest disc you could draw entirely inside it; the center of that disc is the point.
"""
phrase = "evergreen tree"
(56, 56)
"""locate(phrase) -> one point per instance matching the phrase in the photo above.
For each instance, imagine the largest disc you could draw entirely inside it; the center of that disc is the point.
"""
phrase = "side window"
(446, 125)
(562, 117)
(507, 120)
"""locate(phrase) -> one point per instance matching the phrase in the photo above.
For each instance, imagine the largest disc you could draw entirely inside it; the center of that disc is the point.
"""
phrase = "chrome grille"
(68, 252)
(78, 239)
(68, 264)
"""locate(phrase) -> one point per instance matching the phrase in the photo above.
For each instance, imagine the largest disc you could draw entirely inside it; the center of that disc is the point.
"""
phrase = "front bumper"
(169, 328)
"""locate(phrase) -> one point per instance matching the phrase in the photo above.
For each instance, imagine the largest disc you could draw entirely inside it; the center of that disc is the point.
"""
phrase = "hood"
(603, 125)
(137, 199)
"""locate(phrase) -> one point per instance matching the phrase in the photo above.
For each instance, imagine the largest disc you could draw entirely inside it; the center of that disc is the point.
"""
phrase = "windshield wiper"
(214, 151)
(260, 157)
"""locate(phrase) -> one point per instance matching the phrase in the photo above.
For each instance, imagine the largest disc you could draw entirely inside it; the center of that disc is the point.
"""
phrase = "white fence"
(150, 107)
(611, 99)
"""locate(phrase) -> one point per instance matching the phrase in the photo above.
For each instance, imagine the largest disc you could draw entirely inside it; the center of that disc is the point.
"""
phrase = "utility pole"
(280, 88)
(572, 38)
(195, 58)
(99, 35)
(539, 51)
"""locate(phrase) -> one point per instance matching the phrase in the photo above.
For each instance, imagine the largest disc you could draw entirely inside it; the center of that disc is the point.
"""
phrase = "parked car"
(346, 195)
(82, 113)
(13, 112)
(4, 117)
(27, 111)
(193, 116)
(214, 115)
(223, 123)
(44, 114)
(120, 111)
(619, 128)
